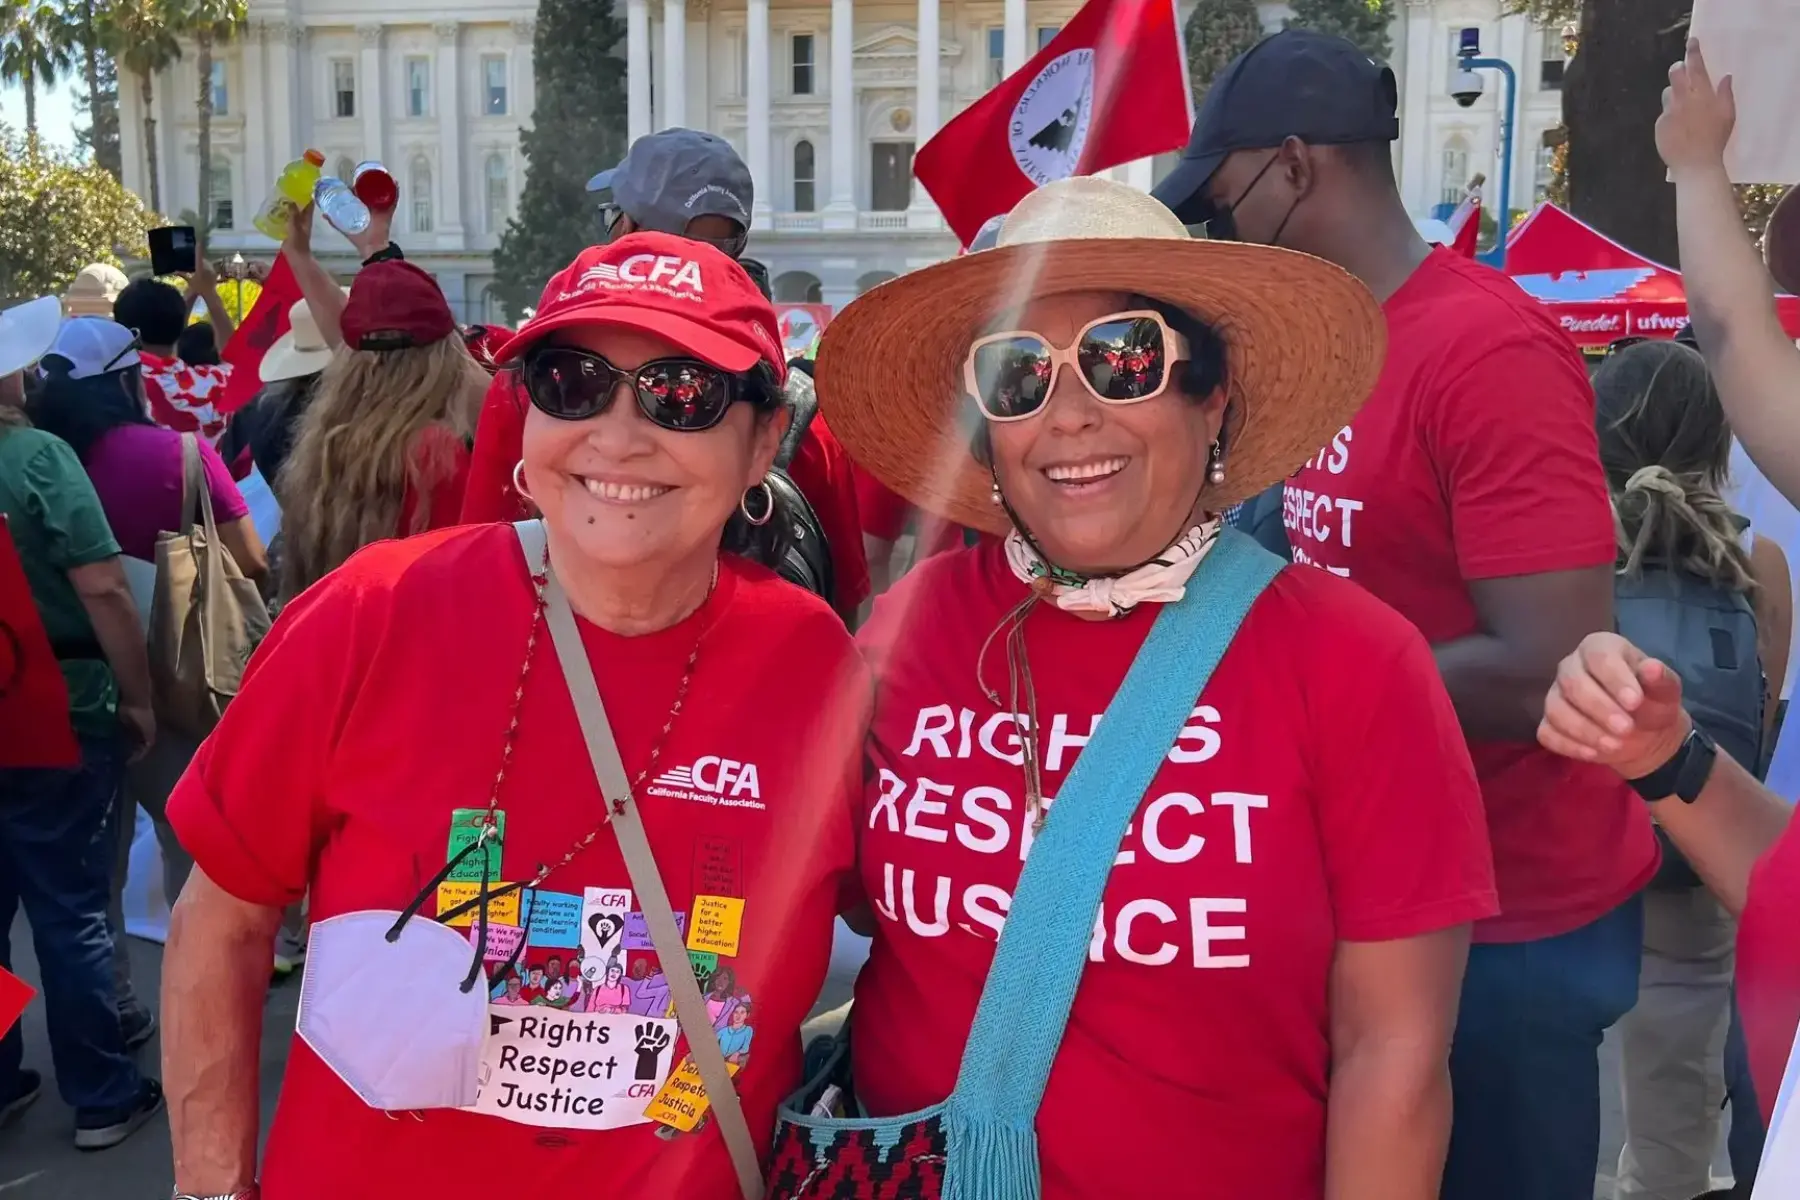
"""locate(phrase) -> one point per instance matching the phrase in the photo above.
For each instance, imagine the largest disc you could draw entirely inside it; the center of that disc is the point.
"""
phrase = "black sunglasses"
(681, 394)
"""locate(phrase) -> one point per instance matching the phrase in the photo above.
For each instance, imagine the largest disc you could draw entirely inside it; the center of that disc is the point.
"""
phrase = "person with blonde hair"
(383, 450)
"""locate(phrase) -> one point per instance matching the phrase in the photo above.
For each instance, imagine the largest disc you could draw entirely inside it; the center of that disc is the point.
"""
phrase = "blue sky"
(56, 111)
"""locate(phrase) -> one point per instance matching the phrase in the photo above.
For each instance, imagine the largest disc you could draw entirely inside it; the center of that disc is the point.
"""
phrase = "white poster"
(564, 1070)
(1757, 43)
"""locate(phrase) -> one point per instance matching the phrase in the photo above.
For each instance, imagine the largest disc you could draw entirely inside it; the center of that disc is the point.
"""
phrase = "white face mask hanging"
(394, 1006)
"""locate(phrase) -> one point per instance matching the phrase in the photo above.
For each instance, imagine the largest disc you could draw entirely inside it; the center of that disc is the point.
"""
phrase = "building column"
(254, 172)
(1415, 97)
(371, 92)
(922, 213)
(756, 113)
(1013, 43)
(674, 80)
(449, 224)
(523, 77)
(840, 209)
(637, 68)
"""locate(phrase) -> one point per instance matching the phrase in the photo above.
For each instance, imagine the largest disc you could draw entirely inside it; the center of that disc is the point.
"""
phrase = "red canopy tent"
(1600, 291)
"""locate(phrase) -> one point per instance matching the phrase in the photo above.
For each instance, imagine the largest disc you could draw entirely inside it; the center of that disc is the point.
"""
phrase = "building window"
(343, 88)
(1456, 172)
(1544, 163)
(418, 87)
(421, 194)
(493, 84)
(890, 176)
(996, 56)
(499, 192)
(219, 195)
(805, 176)
(344, 168)
(1047, 34)
(803, 64)
(1555, 61)
(221, 93)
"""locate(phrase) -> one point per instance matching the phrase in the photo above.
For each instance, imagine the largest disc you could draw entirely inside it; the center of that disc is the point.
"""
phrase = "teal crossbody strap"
(990, 1119)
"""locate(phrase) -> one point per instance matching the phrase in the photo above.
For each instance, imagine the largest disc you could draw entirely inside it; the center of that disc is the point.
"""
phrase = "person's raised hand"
(377, 236)
(1698, 116)
(298, 241)
(202, 279)
(1615, 705)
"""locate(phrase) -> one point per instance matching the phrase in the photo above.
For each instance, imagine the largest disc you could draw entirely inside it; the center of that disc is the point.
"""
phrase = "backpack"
(1706, 634)
(802, 556)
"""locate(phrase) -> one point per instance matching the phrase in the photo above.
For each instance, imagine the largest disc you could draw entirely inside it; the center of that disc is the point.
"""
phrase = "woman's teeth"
(623, 493)
(1086, 472)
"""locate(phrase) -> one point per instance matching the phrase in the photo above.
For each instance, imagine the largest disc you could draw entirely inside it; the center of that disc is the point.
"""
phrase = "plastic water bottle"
(335, 201)
(292, 192)
(374, 185)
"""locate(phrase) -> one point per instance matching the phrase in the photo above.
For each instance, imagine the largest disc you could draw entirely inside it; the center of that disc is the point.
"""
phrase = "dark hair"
(198, 345)
(802, 365)
(766, 543)
(1371, 160)
(81, 411)
(154, 309)
(1666, 446)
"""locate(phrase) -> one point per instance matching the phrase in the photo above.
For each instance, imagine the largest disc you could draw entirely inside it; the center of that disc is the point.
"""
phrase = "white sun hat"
(26, 332)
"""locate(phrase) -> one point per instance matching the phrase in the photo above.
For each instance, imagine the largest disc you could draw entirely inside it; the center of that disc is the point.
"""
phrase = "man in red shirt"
(1468, 495)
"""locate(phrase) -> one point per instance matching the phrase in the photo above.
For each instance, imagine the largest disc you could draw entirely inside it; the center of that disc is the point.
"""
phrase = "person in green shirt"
(58, 827)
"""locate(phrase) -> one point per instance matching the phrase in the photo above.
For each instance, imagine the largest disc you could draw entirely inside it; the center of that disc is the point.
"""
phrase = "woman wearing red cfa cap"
(384, 447)
(415, 691)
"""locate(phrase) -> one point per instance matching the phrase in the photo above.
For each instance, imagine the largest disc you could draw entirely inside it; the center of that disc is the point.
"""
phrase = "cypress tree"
(1217, 31)
(577, 130)
(1365, 22)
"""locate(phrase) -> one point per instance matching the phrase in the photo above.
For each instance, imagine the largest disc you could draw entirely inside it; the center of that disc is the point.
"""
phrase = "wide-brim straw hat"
(300, 351)
(27, 331)
(1304, 342)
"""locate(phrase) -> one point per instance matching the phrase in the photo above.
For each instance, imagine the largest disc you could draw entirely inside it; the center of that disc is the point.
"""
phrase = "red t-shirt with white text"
(1320, 793)
(371, 725)
(1476, 458)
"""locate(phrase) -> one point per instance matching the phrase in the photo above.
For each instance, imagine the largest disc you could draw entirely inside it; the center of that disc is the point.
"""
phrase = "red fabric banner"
(15, 994)
(1110, 88)
(261, 328)
(34, 701)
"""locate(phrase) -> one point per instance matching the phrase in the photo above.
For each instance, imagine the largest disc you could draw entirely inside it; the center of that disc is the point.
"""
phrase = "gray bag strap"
(640, 863)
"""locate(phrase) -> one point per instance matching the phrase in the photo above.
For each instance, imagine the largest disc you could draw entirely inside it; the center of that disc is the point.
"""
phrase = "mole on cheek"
(590, 520)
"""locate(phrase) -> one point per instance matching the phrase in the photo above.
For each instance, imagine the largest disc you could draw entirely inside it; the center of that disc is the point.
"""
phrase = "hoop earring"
(768, 512)
(1215, 468)
(518, 481)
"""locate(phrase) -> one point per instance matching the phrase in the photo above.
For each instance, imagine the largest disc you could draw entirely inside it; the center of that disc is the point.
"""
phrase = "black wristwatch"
(1685, 774)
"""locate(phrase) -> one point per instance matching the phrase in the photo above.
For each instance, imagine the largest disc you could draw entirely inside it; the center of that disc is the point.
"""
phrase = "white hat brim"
(287, 360)
(27, 331)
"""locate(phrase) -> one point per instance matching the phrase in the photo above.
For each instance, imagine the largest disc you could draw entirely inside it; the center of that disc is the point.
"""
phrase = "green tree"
(140, 35)
(1365, 22)
(58, 214)
(1217, 31)
(86, 19)
(34, 50)
(578, 128)
(209, 23)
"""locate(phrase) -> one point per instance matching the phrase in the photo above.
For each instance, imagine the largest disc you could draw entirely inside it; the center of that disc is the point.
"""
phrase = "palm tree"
(33, 50)
(208, 23)
(82, 30)
(141, 37)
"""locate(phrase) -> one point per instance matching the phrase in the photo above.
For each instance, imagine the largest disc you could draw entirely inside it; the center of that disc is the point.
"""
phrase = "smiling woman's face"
(1101, 487)
(628, 492)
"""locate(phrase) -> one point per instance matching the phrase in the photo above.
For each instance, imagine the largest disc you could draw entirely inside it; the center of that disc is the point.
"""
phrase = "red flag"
(1465, 225)
(34, 700)
(261, 327)
(15, 994)
(1111, 88)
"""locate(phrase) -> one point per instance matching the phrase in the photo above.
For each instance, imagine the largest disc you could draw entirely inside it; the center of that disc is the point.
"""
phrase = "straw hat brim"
(287, 359)
(1305, 343)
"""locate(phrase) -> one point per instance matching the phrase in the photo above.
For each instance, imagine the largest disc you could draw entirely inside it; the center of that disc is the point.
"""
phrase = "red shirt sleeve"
(822, 470)
(1400, 817)
(1519, 459)
(883, 514)
(250, 806)
(499, 440)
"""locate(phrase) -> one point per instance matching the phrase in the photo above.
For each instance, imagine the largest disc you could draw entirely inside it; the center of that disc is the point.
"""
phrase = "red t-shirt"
(821, 469)
(1320, 793)
(1476, 458)
(436, 449)
(886, 515)
(338, 773)
(1768, 966)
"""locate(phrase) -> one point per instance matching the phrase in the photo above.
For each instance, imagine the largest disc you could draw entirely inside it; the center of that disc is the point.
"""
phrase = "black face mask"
(1223, 227)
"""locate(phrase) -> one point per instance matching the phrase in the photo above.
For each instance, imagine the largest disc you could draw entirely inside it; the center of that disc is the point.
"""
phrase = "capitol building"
(827, 101)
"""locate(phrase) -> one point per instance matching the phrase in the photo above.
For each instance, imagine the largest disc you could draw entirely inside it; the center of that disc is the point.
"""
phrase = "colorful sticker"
(501, 910)
(637, 930)
(466, 825)
(718, 867)
(649, 987)
(565, 1070)
(554, 919)
(704, 962)
(603, 923)
(718, 921)
(682, 1101)
(502, 940)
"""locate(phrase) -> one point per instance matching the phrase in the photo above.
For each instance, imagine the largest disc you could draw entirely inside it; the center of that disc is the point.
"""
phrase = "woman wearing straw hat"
(1253, 905)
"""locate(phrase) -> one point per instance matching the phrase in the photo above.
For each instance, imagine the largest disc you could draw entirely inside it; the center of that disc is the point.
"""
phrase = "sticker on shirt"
(454, 893)
(717, 924)
(637, 930)
(565, 1070)
(466, 826)
(718, 867)
(682, 1104)
(603, 923)
(553, 919)
(542, 978)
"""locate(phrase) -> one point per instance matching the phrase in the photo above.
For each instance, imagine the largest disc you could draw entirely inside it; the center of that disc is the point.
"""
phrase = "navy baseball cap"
(1296, 83)
(669, 178)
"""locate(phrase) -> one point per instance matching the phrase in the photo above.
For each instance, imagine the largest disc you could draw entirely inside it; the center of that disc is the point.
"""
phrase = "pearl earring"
(1215, 469)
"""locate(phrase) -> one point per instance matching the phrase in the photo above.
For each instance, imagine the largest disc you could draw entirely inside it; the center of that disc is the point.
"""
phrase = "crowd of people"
(1422, 673)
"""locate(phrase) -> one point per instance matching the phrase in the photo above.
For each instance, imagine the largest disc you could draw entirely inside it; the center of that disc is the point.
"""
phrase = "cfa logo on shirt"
(710, 779)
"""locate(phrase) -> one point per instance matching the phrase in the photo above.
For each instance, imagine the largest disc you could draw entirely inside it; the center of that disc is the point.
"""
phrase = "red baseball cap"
(688, 292)
(394, 305)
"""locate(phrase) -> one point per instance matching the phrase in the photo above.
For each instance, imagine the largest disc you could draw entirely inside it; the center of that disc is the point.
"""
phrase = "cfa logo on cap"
(1049, 124)
(662, 271)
